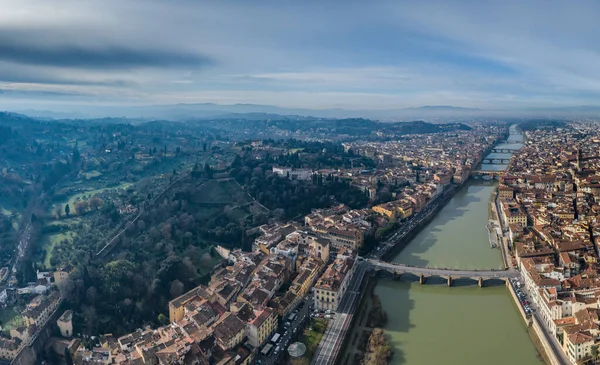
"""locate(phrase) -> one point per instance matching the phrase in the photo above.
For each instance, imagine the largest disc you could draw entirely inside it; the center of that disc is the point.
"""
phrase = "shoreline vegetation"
(374, 343)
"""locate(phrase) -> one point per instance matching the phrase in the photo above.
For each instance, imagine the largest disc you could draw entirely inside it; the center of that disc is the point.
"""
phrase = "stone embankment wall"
(513, 294)
(533, 323)
(539, 331)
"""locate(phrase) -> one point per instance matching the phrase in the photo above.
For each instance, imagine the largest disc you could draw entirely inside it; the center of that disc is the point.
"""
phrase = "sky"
(301, 54)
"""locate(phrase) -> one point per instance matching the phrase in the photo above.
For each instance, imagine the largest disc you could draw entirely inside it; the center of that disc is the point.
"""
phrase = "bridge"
(449, 274)
(495, 160)
(490, 173)
(504, 150)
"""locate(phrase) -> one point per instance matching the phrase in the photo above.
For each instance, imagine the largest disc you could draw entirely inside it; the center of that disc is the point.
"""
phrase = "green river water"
(433, 324)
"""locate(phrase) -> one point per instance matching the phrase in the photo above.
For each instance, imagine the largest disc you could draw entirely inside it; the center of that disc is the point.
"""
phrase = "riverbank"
(352, 354)
(481, 322)
(465, 325)
(456, 236)
(371, 317)
(422, 222)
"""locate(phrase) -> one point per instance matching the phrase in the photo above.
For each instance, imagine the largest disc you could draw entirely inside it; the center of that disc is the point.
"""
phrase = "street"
(551, 339)
(288, 333)
(410, 224)
(330, 345)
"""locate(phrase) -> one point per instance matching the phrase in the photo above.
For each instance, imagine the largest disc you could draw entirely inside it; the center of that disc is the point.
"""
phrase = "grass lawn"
(65, 221)
(312, 336)
(80, 144)
(10, 318)
(73, 199)
(92, 174)
(49, 241)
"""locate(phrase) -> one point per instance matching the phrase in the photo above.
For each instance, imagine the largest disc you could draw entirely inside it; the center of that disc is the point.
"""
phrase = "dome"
(297, 349)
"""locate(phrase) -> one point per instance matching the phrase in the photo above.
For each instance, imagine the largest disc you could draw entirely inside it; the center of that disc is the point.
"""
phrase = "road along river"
(467, 325)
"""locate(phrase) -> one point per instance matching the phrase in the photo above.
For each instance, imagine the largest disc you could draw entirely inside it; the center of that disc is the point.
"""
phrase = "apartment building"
(40, 309)
(332, 285)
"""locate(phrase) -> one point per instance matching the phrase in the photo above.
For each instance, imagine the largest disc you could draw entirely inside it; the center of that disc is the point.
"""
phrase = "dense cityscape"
(299, 183)
(288, 282)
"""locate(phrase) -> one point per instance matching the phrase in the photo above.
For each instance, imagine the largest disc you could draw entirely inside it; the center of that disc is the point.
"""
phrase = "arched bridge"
(449, 274)
(504, 150)
(490, 160)
(490, 173)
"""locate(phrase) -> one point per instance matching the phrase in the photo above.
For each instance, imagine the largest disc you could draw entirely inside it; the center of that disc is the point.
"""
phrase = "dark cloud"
(95, 56)
(46, 78)
(39, 93)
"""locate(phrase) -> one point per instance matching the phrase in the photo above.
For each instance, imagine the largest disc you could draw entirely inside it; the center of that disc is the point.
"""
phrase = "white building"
(294, 174)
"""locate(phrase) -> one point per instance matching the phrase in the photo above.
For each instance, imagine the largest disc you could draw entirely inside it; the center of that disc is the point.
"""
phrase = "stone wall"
(539, 331)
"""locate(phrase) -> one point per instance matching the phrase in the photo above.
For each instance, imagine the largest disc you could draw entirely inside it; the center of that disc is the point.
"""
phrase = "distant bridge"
(490, 173)
(504, 150)
(495, 160)
(448, 274)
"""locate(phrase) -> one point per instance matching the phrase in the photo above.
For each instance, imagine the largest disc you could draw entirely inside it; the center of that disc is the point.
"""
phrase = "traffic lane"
(301, 318)
(403, 231)
(551, 339)
(333, 339)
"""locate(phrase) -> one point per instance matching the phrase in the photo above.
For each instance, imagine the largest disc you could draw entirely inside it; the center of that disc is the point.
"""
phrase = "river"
(466, 325)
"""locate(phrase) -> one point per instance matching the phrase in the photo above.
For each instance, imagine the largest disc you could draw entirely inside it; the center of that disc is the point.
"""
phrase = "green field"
(65, 221)
(92, 174)
(10, 318)
(312, 336)
(73, 199)
(221, 192)
(49, 241)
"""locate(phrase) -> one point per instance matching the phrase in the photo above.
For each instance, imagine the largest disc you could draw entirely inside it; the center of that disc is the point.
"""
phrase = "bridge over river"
(448, 274)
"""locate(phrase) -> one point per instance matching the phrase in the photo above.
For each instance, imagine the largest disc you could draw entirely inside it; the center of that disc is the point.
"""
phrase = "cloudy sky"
(313, 54)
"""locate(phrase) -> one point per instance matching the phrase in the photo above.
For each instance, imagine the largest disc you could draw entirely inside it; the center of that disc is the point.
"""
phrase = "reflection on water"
(457, 236)
(434, 324)
(463, 325)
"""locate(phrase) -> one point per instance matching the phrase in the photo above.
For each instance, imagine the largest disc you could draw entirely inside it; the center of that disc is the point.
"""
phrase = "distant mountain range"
(253, 111)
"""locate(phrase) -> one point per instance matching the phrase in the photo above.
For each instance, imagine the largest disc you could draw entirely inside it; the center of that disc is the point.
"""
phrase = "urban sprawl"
(256, 302)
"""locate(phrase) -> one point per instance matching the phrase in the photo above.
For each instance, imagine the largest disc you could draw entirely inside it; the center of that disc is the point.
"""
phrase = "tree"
(91, 295)
(81, 207)
(208, 171)
(162, 319)
(176, 288)
(595, 352)
(68, 357)
(53, 356)
(67, 209)
(76, 155)
(95, 203)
